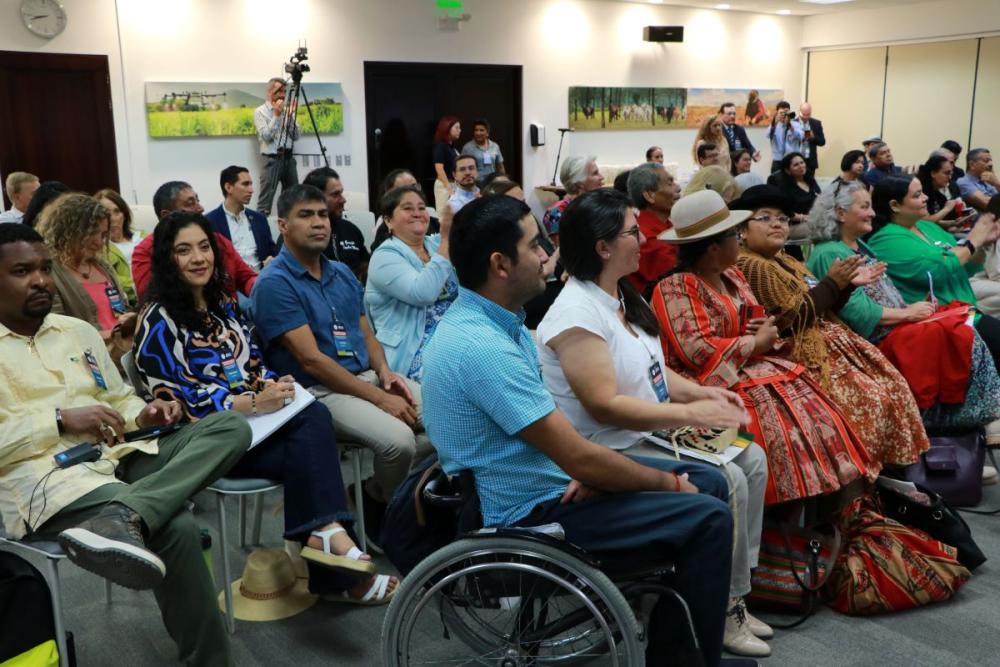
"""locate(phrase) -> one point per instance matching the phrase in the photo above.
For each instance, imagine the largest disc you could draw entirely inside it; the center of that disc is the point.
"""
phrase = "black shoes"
(110, 545)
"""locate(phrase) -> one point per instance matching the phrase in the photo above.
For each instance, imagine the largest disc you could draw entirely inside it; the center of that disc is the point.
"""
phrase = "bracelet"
(59, 422)
(253, 404)
(968, 245)
(677, 481)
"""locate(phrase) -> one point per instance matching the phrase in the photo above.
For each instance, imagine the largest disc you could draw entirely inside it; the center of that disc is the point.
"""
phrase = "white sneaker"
(989, 475)
(738, 638)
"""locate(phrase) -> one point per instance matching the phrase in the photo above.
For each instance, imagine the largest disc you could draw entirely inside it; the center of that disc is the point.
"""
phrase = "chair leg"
(227, 591)
(107, 591)
(243, 521)
(258, 512)
(359, 500)
(52, 569)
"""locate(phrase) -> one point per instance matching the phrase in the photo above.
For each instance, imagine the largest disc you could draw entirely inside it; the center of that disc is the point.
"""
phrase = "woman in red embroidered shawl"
(811, 447)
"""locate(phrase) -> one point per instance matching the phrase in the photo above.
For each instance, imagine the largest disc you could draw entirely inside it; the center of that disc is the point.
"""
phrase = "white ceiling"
(795, 7)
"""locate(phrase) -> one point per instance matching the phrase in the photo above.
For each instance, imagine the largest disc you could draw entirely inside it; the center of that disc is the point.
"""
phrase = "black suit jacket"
(740, 137)
(819, 139)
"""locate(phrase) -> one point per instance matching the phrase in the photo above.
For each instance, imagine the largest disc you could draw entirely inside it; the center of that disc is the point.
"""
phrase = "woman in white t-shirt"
(603, 363)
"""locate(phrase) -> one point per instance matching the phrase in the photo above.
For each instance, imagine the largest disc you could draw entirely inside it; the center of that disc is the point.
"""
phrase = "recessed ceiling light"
(722, 6)
(784, 12)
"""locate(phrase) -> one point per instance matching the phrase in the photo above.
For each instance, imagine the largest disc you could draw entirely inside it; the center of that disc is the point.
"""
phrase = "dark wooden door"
(56, 120)
(406, 101)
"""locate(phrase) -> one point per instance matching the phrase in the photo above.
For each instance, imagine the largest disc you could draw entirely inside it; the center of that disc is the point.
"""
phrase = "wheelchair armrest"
(442, 491)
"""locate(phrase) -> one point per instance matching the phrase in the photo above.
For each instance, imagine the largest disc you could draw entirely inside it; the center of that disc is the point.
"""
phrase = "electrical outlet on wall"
(339, 160)
(347, 160)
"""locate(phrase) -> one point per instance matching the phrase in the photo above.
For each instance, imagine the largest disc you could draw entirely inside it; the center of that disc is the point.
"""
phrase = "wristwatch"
(968, 245)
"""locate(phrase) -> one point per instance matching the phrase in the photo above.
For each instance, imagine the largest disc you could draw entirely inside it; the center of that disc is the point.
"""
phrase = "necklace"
(80, 272)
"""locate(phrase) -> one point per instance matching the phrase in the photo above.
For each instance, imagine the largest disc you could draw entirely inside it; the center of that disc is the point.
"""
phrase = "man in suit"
(247, 229)
(736, 136)
(812, 130)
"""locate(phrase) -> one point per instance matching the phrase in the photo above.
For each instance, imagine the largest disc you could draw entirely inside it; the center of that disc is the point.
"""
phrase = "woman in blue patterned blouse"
(194, 346)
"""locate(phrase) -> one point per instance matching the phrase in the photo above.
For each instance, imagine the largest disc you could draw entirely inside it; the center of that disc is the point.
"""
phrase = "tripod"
(562, 135)
(294, 94)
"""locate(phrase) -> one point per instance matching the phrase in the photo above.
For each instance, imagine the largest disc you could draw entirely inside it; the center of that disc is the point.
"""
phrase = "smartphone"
(750, 311)
(152, 432)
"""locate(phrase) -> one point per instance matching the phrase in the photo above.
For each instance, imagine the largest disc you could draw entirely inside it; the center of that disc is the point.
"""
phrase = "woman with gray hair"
(839, 219)
(578, 174)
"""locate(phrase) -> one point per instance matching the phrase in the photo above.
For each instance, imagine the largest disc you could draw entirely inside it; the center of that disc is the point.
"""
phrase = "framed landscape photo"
(604, 108)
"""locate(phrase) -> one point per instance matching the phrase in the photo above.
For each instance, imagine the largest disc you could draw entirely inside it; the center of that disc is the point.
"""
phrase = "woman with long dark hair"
(944, 201)
(798, 185)
(602, 362)
(194, 346)
(445, 137)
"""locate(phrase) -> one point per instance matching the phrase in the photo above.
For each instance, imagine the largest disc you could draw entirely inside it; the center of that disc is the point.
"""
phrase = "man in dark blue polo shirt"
(310, 317)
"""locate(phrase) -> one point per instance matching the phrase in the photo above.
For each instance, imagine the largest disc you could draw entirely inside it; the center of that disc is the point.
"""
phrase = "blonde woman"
(714, 178)
(711, 132)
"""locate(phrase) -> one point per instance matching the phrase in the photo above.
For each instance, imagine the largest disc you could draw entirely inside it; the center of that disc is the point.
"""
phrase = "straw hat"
(700, 215)
(269, 589)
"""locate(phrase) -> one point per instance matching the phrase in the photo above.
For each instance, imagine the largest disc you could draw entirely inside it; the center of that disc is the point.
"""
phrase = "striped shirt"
(482, 386)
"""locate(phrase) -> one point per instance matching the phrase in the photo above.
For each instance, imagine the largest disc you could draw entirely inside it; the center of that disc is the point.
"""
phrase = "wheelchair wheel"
(508, 602)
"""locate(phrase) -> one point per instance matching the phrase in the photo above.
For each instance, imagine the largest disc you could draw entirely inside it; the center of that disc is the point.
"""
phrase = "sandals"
(350, 562)
(378, 593)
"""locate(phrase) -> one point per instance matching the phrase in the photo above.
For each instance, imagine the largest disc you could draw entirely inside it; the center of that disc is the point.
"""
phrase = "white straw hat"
(700, 215)
(269, 589)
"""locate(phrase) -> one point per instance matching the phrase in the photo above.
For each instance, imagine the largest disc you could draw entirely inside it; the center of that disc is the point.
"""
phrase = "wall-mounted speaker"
(663, 33)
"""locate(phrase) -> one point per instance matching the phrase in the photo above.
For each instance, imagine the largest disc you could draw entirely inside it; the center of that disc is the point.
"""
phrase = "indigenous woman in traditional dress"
(862, 382)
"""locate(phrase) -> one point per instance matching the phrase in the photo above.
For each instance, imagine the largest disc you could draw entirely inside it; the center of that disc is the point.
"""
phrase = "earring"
(606, 255)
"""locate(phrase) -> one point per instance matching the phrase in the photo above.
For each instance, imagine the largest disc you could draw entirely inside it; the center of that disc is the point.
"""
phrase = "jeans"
(280, 168)
(694, 530)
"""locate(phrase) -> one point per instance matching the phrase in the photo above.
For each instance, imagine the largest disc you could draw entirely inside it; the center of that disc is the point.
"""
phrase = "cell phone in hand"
(748, 312)
(152, 432)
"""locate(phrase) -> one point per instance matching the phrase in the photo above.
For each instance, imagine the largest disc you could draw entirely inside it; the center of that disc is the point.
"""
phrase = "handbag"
(929, 512)
(887, 566)
(793, 566)
(952, 467)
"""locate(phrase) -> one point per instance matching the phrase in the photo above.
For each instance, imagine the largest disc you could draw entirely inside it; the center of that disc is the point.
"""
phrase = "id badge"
(95, 370)
(229, 367)
(811, 282)
(658, 381)
(737, 145)
(115, 298)
(487, 158)
(341, 341)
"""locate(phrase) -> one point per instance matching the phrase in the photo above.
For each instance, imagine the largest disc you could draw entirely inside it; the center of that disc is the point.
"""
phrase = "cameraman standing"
(277, 131)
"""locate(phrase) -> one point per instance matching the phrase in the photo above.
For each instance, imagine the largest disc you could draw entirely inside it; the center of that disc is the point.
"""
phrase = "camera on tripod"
(296, 65)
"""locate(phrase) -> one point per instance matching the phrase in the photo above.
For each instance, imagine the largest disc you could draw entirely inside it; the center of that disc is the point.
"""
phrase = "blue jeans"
(694, 530)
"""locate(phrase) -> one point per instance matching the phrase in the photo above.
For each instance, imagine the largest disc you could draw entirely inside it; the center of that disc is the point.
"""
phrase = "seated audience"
(653, 191)
(796, 185)
(944, 200)
(924, 260)
(465, 182)
(602, 363)
(122, 240)
(838, 222)
(75, 228)
(715, 178)
(852, 167)
(812, 448)
(58, 389)
(411, 282)
(311, 321)
(347, 243)
(179, 196)
(20, 187)
(194, 347)
(785, 136)
(741, 161)
(578, 174)
(979, 182)
(397, 178)
(489, 158)
(954, 151)
(707, 155)
(711, 133)
(246, 228)
(46, 193)
(866, 146)
(860, 380)
(654, 154)
(882, 164)
(621, 181)
(531, 467)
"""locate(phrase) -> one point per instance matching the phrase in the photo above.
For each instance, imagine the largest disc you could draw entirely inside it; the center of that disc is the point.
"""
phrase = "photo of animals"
(226, 109)
(594, 108)
(754, 107)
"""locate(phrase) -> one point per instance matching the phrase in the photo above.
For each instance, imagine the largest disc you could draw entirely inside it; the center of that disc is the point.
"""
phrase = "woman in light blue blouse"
(411, 282)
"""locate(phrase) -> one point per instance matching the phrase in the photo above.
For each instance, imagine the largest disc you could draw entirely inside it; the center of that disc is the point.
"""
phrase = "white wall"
(919, 21)
(559, 43)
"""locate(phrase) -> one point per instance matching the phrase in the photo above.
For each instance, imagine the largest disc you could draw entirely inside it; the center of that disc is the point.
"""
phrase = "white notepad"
(265, 425)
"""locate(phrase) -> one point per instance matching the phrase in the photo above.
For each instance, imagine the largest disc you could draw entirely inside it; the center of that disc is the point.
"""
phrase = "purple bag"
(952, 468)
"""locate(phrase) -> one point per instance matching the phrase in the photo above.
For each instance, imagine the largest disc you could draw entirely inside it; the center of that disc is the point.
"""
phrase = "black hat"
(762, 196)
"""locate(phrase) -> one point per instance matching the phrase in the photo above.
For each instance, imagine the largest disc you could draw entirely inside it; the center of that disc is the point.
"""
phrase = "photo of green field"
(179, 110)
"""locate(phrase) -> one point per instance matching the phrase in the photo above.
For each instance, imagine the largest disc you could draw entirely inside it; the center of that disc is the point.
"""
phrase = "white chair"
(365, 221)
(143, 218)
(356, 201)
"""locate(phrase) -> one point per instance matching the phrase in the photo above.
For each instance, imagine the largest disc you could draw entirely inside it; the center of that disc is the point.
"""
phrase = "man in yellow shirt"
(122, 516)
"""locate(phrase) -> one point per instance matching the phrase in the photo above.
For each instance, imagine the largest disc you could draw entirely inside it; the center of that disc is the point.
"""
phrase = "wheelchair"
(513, 597)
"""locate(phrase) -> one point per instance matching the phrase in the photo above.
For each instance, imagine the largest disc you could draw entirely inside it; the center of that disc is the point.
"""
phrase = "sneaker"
(738, 638)
(110, 545)
(989, 475)
(759, 628)
(993, 433)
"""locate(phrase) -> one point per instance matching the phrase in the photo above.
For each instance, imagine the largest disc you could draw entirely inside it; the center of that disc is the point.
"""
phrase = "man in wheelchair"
(488, 412)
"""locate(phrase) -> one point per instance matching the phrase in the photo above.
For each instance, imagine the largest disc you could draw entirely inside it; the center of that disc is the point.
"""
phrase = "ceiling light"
(825, 2)
(722, 6)
(784, 12)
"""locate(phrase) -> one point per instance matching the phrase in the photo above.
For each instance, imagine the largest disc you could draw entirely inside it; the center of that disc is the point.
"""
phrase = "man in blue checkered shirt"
(487, 410)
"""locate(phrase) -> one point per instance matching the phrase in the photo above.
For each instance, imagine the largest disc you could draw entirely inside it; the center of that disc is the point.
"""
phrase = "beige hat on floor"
(269, 589)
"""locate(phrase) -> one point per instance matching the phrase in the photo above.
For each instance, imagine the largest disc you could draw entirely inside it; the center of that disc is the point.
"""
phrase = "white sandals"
(377, 594)
(349, 562)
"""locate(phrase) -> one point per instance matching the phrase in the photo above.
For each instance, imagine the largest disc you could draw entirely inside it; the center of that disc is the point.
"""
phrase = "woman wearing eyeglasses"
(860, 380)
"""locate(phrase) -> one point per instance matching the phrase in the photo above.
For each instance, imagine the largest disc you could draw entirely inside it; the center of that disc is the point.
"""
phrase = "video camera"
(296, 65)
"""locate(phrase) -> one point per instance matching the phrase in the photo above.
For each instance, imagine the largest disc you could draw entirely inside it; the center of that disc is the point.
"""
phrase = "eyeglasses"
(768, 220)
(634, 232)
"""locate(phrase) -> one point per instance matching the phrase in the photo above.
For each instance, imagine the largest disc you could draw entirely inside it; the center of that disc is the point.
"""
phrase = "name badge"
(657, 380)
(737, 145)
(229, 367)
(341, 341)
(487, 158)
(95, 370)
(811, 282)
(115, 298)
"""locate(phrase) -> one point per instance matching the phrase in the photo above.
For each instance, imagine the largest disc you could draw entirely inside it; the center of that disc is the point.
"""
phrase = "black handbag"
(936, 518)
(952, 467)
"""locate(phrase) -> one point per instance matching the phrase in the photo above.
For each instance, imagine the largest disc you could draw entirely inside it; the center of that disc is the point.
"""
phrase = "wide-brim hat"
(700, 215)
(269, 589)
(763, 196)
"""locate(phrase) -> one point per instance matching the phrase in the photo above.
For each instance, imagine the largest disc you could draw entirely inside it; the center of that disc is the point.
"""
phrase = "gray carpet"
(965, 631)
